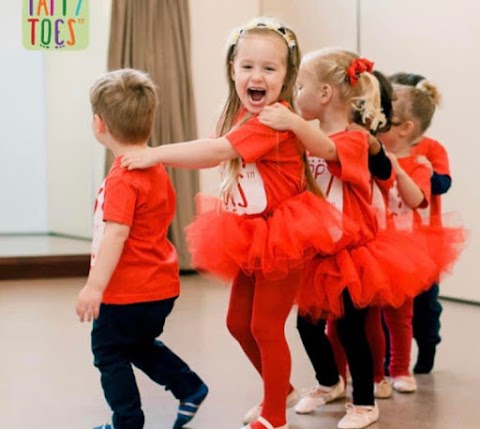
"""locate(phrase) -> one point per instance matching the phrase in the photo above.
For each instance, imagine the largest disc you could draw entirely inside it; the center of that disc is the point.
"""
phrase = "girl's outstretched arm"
(201, 153)
(280, 117)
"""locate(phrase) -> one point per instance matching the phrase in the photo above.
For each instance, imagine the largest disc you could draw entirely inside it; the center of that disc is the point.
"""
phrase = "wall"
(47, 100)
(23, 187)
(75, 159)
(440, 40)
(209, 36)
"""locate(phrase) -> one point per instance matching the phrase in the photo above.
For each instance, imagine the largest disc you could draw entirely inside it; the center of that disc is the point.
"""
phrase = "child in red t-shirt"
(134, 275)
(413, 111)
(426, 306)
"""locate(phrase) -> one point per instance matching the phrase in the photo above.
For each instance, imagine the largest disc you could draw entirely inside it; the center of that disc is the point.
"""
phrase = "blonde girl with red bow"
(330, 84)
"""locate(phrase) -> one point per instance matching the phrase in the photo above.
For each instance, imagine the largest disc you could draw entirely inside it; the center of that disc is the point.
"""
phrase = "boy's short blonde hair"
(126, 101)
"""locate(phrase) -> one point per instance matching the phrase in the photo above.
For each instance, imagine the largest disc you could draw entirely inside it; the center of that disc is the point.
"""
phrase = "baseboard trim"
(31, 267)
(460, 301)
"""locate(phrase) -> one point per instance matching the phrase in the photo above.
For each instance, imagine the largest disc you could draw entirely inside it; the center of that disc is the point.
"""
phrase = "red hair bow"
(356, 68)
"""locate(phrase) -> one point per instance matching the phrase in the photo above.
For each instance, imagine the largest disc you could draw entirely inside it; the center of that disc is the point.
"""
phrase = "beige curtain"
(154, 36)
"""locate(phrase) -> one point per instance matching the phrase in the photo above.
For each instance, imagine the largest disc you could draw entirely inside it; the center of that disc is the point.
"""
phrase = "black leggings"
(351, 331)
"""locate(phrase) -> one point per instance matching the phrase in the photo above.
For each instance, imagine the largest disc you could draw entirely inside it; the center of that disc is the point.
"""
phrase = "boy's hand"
(141, 158)
(278, 117)
(88, 303)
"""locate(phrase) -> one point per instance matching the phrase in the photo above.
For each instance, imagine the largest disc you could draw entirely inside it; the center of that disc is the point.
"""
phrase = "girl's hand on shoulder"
(141, 158)
(278, 117)
(374, 145)
(422, 159)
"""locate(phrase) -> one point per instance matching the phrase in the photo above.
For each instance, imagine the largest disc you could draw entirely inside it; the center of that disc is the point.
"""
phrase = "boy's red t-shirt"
(145, 201)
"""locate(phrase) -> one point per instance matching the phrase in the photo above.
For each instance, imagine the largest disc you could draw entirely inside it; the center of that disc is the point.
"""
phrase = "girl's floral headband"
(356, 68)
(279, 29)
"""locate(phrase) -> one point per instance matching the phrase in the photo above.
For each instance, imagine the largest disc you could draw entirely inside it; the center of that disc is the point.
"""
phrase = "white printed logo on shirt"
(98, 223)
(330, 185)
(248, 196)
(402, 214)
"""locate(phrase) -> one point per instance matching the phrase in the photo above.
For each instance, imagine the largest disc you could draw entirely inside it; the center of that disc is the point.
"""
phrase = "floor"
(47, 380)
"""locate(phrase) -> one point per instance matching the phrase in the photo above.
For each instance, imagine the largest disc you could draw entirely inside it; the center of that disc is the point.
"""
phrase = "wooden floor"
(47, 380)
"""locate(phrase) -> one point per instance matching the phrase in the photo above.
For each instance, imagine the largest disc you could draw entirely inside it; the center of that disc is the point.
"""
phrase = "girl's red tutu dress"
(388, 263)
(271, 223)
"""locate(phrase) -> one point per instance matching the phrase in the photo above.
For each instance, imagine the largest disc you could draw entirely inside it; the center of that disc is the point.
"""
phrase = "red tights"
(257, 313)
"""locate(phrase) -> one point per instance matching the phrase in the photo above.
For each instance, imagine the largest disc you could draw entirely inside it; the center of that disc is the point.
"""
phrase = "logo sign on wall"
(55, 25)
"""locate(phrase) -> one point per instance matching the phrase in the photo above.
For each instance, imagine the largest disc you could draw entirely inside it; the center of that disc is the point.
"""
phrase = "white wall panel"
(211, 23)
(23, 176)
(75, 158)
(439, 39)
(318, 23)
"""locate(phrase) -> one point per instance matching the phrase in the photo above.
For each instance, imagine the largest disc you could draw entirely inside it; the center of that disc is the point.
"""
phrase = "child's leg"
(273, 301)
(376, 340)
(351, 330)
(155, 359)
(399, 322)
(426, 328)
(112, 360)
(319, 350)
(239, 318)
(339, 353)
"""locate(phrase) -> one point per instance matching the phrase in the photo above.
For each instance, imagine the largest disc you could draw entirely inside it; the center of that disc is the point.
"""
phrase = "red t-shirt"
(346, 182)
(145, 201)
(272, 168)
(438, 156)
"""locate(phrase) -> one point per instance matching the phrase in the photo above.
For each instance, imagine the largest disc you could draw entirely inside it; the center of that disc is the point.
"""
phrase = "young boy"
(134, 275)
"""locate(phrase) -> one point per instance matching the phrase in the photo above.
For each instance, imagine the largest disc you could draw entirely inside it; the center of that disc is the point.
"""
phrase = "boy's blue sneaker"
(189, 406)
(105, 426)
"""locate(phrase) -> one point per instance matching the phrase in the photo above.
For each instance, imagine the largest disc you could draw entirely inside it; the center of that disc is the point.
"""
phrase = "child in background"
(134, 275)
(413, 111)
(330, 82)
(426, 306)
(269, 225)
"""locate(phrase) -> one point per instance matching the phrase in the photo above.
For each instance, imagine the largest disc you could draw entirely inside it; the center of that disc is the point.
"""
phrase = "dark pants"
(124, 335)
(351, 331)
(426, 317)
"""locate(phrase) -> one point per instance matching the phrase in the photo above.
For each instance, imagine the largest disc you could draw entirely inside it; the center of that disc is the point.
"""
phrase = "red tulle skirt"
(393, 266)
(333, 253)
(300, 228)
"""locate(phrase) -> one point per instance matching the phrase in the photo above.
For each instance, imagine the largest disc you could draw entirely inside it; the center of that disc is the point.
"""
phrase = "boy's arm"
(111, 247)
(280, 117)
(201, 153)
(409, 191)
